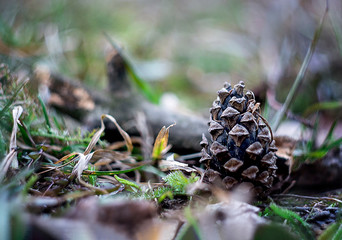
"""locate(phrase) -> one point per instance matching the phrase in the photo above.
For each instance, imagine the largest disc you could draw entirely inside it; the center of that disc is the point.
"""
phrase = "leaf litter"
(176, 192)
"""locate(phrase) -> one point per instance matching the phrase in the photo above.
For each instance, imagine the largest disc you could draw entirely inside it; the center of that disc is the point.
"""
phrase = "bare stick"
(308, 197)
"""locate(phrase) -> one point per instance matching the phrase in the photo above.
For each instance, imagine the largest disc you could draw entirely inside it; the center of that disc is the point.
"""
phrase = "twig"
(308, 197)
(189, 156)
(289, 187)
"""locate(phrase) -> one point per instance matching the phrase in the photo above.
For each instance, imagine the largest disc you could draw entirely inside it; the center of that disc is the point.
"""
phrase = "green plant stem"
(32, 180)
(62, 138)
(300, 76)
(193, 222)
(297, 224)
(126, 182)
(140, 83)
(10, 102)
(322, 106)
(109, 173)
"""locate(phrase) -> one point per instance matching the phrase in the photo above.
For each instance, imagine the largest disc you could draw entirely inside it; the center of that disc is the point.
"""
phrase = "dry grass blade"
(84, 158)
(17, 111)
(11, 158)
(125, 136)
(66, 157)
(166, 165)
(82, 164)
(95, 138)
(6, 163)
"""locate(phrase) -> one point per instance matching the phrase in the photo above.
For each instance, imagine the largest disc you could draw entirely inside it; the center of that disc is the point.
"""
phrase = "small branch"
(308, 197)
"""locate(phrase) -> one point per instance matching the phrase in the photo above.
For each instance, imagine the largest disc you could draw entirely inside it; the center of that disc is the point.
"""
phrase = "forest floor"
(119, 157)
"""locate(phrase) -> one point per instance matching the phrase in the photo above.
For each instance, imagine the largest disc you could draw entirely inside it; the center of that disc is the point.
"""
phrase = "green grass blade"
(12, 99)
(140, 83)
(300, 76)
(154, 170)
(329, 136)
(6, 33)
(3, 145)
(301, 227)
(24, 134)
(32, 180)
(333, 232)
(110, 173)
(273, 231)
(312, 142)
(46, 115)
(322, 106)
(57, 124)
(92, 178)
(127, 182)
(61, 138)
(334, 144)
(193, 225)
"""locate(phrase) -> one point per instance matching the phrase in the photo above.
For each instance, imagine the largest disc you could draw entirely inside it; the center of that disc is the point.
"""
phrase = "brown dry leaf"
(161, 142)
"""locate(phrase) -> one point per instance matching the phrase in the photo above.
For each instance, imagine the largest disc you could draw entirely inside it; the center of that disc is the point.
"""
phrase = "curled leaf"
(161, 142)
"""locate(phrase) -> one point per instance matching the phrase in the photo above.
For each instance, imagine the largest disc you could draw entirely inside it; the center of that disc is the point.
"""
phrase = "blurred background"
(185, 50)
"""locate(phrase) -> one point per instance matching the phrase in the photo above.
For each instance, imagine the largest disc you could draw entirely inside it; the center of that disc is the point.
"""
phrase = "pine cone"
(242, 149)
